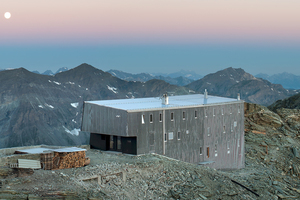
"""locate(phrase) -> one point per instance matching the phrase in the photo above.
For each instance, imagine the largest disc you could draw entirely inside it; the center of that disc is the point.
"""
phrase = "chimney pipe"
(165, 99)
(238, 97)
(205, 94)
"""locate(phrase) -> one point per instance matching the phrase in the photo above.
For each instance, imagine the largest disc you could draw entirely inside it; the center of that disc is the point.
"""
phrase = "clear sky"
(260, 36)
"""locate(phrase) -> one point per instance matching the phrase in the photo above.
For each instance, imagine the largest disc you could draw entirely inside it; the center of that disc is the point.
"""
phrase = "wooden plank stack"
(64, 160)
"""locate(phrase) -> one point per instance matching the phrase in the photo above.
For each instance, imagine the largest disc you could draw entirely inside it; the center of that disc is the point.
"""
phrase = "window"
(172, 116)
(208, 131)
(216, 150)
(166, 137)
(200, 150)
(160, 117)
(214, 112)
(103, 137)
(207, 152)
(228, 147)
(205, 112)
(171, 136)
(187, 131)
(178, 135)
(230, 110)
(224, 128)
(231, 127)
(239, 143)
(239, 109)
(151, 118)
(222, 111)
(195, 113)
(183, 115)
(235, 124)
(143, 119)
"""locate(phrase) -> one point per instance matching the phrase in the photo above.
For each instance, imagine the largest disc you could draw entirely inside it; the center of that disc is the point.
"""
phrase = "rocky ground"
(272, 143)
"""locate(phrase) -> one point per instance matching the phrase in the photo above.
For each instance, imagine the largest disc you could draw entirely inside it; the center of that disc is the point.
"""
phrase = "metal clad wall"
(146, 132)
(105, 120)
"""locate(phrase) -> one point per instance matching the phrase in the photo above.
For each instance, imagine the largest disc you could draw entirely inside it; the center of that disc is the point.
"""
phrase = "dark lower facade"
(104, 142)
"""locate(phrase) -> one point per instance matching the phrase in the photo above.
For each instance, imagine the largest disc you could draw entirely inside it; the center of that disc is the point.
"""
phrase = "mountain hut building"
(198, 128)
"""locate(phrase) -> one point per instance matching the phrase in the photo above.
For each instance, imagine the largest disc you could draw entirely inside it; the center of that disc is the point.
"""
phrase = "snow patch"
(57, 83)
(86, 88)
(114, 73)
(40, 106)
(75, 105)
(208, 83)
(49, 81)
(113, 89)
(272, 89)
(237, 81)
(50, 106)
(79, 85)
(75, 131)
(72, 83)
(74, 121)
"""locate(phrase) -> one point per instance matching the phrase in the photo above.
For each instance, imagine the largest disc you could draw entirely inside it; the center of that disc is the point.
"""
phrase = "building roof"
(155, 103)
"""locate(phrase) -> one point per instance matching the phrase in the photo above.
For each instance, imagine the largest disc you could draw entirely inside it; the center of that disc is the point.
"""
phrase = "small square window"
(222, 111)
(178, 136)
(166, 137)
(200, 150)
(187, 131)
(151, 118)
(239, 109)
(160, 117)
(195, 113)
(183, 115)
(205, 112)
(171, 136)
(224, 129)
(208, 131)
(235, 124)
(230, 110)
(172, 116)
(214, 112)
(231, 127)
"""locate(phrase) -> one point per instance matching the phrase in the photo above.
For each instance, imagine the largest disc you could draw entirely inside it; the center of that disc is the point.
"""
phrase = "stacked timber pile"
(63, 160)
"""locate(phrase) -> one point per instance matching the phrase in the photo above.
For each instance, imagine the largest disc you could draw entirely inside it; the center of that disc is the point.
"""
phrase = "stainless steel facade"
(195, 134)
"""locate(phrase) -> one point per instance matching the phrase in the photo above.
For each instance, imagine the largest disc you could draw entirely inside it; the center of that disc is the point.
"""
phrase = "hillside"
(41, 109)
(292, 102)
(229, 82)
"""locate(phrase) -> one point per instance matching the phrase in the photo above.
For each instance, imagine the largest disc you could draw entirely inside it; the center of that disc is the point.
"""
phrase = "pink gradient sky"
(88, 22)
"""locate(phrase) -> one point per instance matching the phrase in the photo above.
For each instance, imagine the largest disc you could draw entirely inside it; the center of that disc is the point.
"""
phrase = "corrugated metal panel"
(32, 164)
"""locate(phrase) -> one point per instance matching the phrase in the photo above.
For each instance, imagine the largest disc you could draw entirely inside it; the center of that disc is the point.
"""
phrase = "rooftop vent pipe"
(165, 99)
(205, 94)
(238, 97)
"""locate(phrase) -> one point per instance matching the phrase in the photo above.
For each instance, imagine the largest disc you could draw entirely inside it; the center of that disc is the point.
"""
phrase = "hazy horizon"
(260, 36)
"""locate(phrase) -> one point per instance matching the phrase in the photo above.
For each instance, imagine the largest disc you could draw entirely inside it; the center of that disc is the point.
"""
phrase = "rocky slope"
(41, 109)
(230, 82)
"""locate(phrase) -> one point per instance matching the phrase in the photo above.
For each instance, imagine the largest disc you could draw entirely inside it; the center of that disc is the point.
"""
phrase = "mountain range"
(42, 109)
(179, 80)
(46, 109)
(287, 80)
